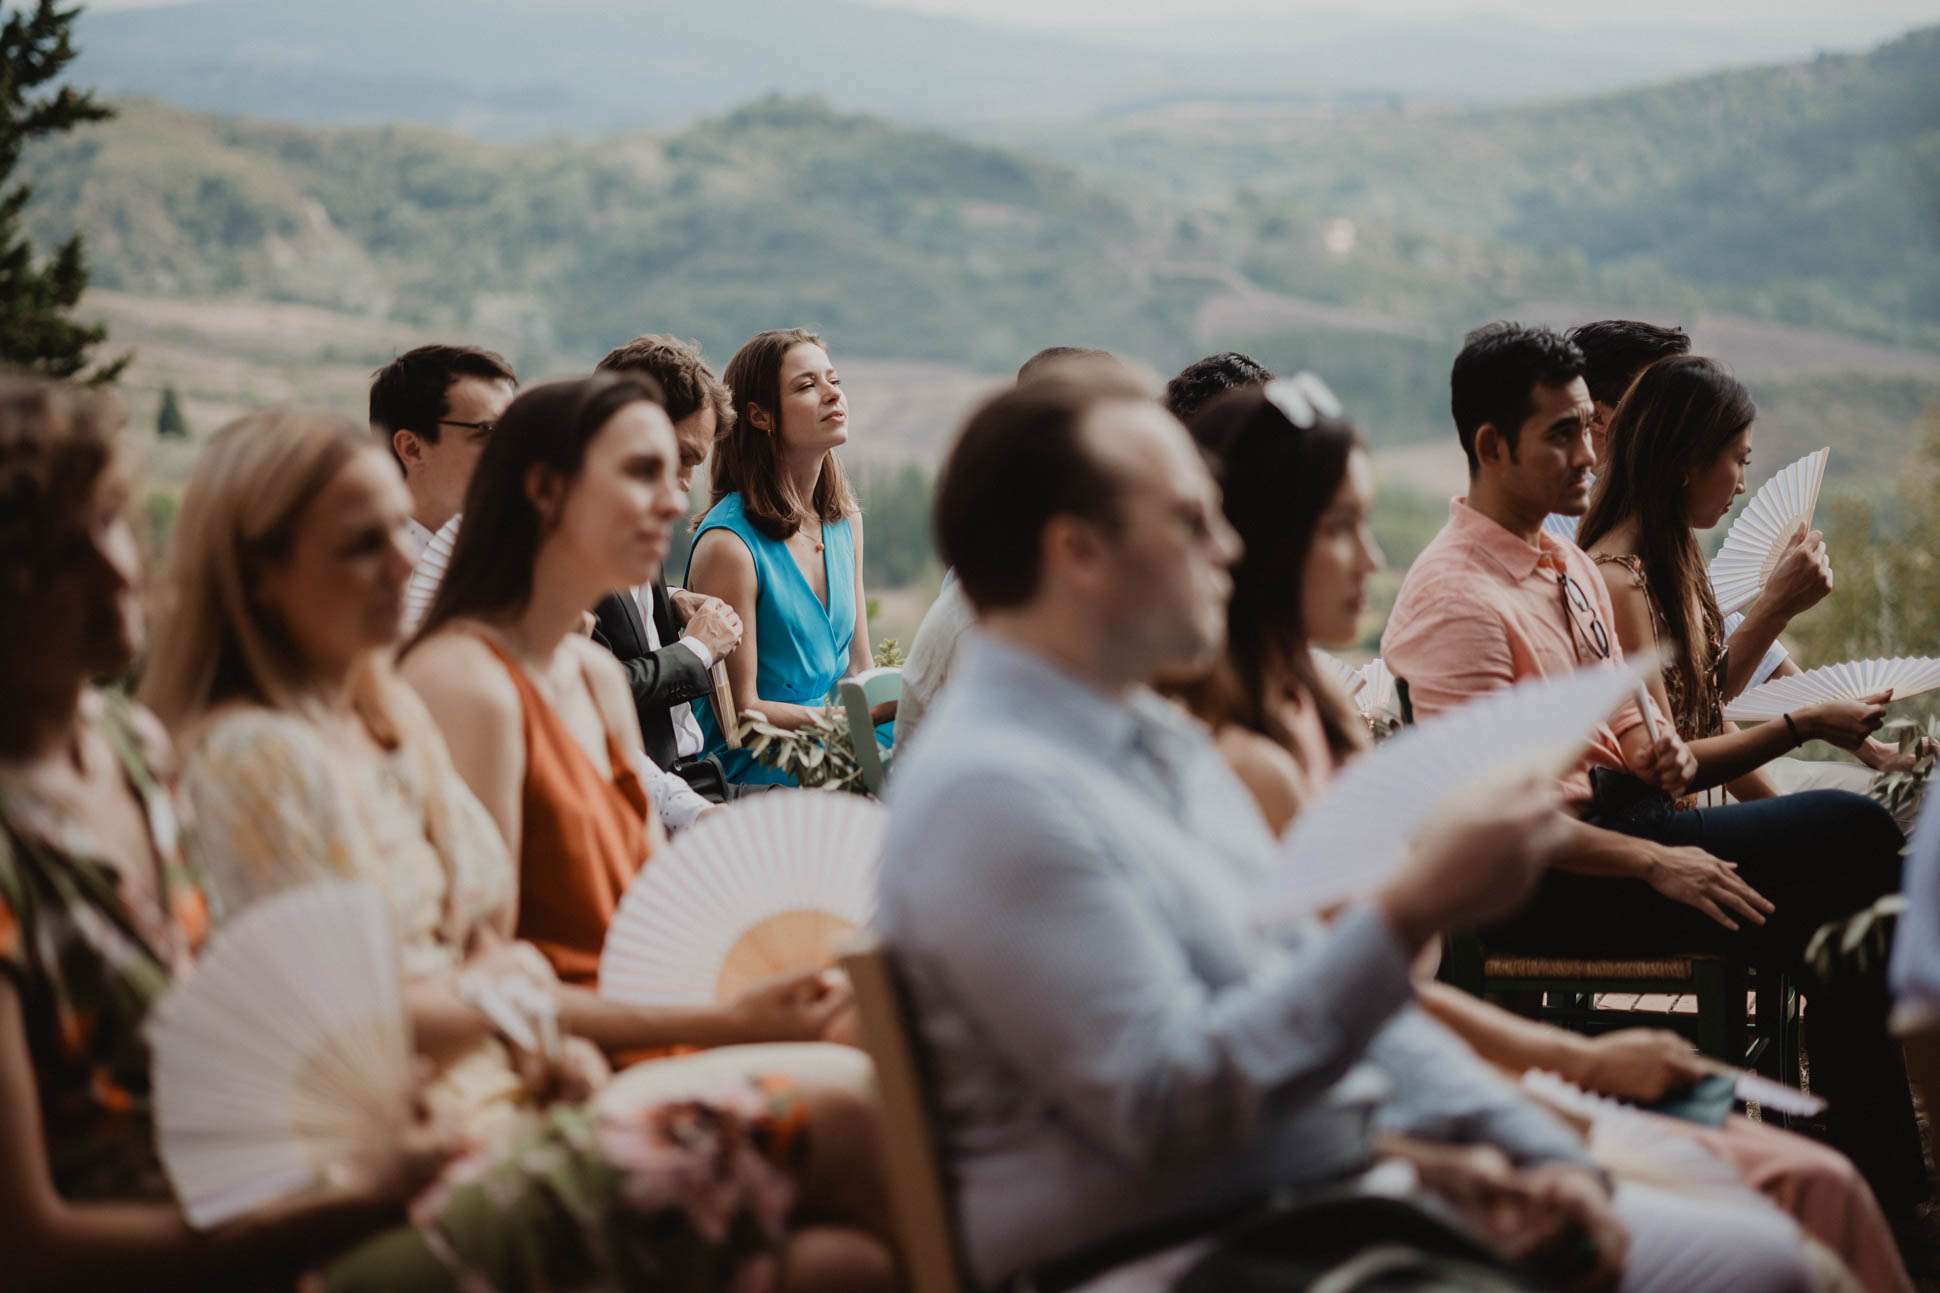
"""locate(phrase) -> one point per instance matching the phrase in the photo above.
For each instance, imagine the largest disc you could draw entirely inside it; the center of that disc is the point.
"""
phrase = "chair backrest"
(925, 1228)
(1918, 1029)
(862, 733)
(884, 682)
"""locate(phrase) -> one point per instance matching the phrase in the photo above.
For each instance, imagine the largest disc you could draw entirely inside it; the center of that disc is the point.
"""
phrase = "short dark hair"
(1204, 379)
(408, 394)
(1616, 350)
(490, 572)
(684, 377)
(1500, 366)
(1019, 461)
(1048, 360)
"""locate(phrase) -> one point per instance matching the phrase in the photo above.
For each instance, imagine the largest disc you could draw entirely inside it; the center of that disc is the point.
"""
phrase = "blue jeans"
(1817, 856)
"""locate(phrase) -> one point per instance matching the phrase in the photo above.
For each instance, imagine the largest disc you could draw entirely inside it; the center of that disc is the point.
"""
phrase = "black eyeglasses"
(483, 428)
(1581, 613)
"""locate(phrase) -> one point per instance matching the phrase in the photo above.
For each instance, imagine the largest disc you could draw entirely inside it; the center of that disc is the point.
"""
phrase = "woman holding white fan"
(1298, 488)
(101, 908)
(1677, 449)
(308, 760)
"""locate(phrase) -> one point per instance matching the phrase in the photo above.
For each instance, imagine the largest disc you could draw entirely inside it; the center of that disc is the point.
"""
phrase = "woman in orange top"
(575, 495)
(1299, 489)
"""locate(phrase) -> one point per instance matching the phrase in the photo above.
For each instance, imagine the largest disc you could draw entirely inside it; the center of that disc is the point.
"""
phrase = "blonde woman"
(306, 759)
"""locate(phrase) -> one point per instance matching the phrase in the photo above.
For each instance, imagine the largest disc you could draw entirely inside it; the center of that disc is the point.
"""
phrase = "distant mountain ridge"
(516, 70)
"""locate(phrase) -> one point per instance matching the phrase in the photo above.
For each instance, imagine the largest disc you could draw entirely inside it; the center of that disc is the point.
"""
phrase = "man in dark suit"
(669, 639)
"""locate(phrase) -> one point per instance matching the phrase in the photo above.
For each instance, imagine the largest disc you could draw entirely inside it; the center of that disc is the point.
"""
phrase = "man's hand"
(1642, 1065)
(1477, 860)
(1712, 885)
(1802, 578)
(708, 619)
(1844, 723)
(1672, 765)
(1597, 1242)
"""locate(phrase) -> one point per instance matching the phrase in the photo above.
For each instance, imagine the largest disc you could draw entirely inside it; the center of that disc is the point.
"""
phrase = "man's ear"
(1072, 547)
(1490, 445)
(409, 449)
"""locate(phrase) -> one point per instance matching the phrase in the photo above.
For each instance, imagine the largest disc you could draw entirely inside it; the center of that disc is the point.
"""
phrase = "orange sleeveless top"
(583, 840)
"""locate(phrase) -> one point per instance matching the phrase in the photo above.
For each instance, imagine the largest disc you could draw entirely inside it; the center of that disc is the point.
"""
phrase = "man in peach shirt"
(1494, 600)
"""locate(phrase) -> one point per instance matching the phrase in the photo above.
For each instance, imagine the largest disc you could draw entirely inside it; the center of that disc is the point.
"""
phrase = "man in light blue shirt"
(1068, 887)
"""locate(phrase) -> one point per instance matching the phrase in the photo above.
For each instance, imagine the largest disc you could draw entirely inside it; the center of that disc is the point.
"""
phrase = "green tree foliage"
(170, 424)
(1886, 567)
(36, 330)
(897, 549)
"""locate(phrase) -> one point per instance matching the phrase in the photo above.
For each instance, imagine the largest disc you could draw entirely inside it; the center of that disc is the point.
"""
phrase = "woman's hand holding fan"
(1803, 576)
(800, 1007)
(1844, 723)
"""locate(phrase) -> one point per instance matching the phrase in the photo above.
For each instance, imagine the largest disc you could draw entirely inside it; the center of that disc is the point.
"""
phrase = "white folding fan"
(1628, 1142)
(1343, 673)
(1904, 676)
(422, 587)
(1378, 696)
(284, 1052)
(1355, 836)
(773, 884)
(1758, 537)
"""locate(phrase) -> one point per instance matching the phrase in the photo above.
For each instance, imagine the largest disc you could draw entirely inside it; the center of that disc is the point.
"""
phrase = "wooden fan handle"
(724, 709)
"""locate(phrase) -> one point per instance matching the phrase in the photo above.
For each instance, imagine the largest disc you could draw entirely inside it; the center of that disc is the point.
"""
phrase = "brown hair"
(1021, 460)
(1673, 424)
(745, 458)
(1275, 480)
(57, 442)
(685, 380)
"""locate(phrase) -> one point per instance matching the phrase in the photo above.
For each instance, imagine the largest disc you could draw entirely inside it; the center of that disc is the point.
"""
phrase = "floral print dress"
(679, 1196)
(89, 959)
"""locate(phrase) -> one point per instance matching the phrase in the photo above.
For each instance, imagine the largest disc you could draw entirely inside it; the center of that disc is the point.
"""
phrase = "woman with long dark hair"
(782, 542)
(1677, 449)
(1298, 487)
(307, 759)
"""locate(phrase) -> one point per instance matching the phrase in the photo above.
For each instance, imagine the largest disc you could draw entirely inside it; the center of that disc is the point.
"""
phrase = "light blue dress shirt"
(1067, 886)
(1915, 967)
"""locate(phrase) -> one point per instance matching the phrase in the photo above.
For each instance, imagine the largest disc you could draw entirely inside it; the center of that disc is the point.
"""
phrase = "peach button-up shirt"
(1481, 610)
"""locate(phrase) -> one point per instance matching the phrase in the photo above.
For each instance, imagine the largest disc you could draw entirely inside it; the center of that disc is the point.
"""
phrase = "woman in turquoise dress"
(782, 542)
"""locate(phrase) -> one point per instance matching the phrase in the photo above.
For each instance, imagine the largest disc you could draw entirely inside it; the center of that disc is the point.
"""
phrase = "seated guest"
(307, 760)
(1916, 948)
(575, 495)
(1494, 600)
(1676, 458)
(1068, 886)
(669, 640)
(1053, 358)
(414, 401)
(1298, 488)
(101, 905)
(782, 543)
(1204, 380)
(1615, 353)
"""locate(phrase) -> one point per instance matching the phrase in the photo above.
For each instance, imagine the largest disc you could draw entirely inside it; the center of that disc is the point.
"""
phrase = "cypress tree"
(169, 423)
(37, 332)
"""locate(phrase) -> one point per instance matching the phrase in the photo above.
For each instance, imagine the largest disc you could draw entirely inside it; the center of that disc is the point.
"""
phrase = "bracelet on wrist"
(1793, 728)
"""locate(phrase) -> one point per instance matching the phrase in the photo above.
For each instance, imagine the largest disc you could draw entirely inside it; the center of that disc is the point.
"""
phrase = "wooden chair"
(860, 695)
(1918, 1028)
(925, 1225)
(1720, 1028)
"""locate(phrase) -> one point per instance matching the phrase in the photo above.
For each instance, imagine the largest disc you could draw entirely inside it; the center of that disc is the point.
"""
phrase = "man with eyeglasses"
(1493, 600)
(435, 407)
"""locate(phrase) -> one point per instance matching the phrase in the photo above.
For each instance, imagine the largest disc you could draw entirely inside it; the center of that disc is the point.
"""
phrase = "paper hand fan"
(773, 884)
(1758, 537)
(1629, 1142)
(1356, 835)
(1344, 674)
(284, 1052)
(1904, 676)
(422, 588)
(1378, 696)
